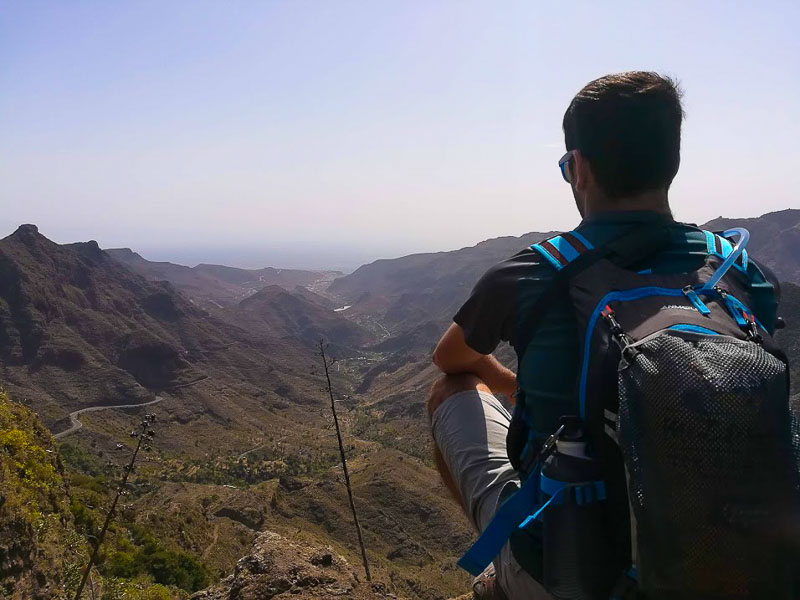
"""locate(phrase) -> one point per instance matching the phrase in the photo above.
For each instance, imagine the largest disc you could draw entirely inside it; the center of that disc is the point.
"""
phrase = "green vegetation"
(84, 518)
(33, 509)
(50, 526)
(145, 555)
(26, 467)
(130, 559)
(122, 589)
(81, 461)
(264, 464)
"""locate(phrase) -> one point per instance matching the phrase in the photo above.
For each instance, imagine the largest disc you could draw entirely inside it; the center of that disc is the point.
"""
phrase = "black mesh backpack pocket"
(705, 429)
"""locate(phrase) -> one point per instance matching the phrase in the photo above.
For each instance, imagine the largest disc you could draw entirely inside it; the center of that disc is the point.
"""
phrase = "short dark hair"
(628, 126)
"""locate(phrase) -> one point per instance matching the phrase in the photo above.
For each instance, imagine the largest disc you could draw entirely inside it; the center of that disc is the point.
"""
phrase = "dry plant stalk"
(329, 388)
(145, 435)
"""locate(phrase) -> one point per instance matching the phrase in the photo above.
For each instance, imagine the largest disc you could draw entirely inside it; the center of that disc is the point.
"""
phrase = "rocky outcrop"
(281, 568)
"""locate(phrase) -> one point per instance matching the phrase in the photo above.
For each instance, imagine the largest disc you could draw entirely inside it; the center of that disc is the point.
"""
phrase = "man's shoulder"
(491, 312)
(523, 275)
(526, 265)
(542, 259)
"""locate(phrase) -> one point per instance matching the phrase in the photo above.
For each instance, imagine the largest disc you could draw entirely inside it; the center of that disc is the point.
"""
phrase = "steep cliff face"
(40, 551)
(77, 328)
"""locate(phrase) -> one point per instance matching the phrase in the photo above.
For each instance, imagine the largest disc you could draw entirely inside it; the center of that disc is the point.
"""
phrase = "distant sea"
(308, 256)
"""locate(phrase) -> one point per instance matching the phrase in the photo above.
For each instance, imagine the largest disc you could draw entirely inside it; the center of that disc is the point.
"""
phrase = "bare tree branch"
(329, 388)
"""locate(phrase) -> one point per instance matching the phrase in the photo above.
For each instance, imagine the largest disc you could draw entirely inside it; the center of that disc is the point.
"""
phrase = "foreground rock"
(281, 568)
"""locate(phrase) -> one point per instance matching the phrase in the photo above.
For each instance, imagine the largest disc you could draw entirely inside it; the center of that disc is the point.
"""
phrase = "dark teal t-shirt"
(548, 373)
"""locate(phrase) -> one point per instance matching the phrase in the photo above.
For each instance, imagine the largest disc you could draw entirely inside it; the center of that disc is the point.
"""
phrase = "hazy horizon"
(343, 259)
(327, 135)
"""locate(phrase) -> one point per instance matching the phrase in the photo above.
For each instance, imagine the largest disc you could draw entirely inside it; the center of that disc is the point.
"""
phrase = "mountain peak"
(26, 229)
(90, 249)
(122, 252)
(27, 233)
(27, 236)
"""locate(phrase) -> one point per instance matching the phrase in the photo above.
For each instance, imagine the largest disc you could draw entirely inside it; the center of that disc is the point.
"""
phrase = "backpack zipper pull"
(689, 292)
(730, 304)
(745, 319)
(734, 308)
(622, 338)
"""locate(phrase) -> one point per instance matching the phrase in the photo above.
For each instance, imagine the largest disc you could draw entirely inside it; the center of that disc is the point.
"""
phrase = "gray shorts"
(470, 430)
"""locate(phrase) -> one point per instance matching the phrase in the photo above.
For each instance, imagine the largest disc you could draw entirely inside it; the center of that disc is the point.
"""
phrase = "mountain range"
(218, 285)
(244, 436)
(406, 291)
(228, 359)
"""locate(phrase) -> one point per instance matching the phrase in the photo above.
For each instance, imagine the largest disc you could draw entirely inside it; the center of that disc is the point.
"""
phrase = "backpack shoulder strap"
(721, 247)
(561, 252)
(562, 249)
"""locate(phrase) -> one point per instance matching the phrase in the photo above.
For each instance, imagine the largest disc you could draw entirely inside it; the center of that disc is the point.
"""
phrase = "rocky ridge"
(278, 567)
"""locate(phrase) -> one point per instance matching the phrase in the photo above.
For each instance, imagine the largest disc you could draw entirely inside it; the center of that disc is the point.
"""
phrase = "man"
(622, 135)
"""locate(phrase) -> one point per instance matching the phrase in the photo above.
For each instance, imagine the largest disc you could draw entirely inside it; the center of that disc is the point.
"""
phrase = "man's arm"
(453, 356)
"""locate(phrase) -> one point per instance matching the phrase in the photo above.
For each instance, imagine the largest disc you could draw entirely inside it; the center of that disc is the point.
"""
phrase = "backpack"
(678, 475)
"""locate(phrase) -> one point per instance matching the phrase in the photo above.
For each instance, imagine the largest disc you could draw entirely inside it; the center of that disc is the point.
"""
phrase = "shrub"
(119, 589)
(84, 519)
(165, 566)
(121, 564)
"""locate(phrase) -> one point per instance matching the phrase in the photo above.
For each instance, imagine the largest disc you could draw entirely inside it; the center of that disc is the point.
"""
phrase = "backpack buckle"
(536, 458)
(751, 329)
(550, 443)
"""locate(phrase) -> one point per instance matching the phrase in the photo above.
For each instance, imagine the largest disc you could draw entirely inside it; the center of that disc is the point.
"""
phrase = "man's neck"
(656, 201)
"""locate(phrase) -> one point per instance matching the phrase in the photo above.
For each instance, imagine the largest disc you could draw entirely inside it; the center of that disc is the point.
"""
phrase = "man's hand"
(453, 356)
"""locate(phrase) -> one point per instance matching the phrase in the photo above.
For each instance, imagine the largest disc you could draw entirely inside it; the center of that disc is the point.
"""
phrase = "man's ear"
(582, 171)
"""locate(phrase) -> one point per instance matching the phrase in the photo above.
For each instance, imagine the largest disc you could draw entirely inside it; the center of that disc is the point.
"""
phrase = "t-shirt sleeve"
(485, 316)
(489, 316)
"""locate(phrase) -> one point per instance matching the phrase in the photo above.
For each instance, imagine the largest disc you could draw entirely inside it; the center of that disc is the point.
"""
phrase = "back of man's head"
(628, 126)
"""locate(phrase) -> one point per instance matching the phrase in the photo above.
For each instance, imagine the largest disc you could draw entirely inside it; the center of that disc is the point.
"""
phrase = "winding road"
(76, 424)
(259, 447)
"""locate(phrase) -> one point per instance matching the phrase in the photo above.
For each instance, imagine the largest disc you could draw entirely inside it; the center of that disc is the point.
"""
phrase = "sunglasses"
(563, 164)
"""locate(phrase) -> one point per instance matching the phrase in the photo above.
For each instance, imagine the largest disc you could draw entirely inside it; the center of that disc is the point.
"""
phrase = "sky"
(331, 133)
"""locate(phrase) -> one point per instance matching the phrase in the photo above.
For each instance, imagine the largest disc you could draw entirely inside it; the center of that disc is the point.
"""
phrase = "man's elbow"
(443, 360)
(437, 358)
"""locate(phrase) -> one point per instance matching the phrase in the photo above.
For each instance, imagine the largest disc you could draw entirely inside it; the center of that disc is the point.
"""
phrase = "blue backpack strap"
(507, 518)
(562, 249)
(519, 510)
(721, 247)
